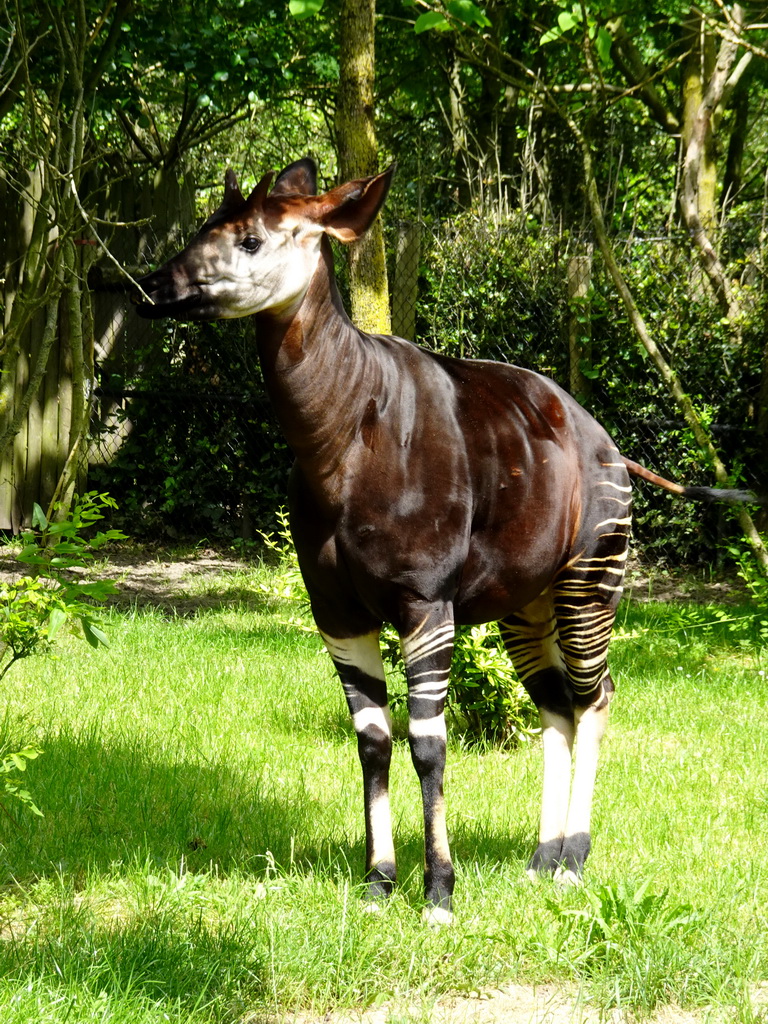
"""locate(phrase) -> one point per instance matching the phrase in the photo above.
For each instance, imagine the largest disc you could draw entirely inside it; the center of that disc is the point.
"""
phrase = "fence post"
(579, 323)
(406, 283)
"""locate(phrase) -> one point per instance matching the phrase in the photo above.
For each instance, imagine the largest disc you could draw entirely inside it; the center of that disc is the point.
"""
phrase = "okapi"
(427, 492)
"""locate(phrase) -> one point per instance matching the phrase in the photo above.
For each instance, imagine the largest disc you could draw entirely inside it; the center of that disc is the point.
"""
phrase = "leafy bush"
(34, 608)
(498, 291)
(202, 454)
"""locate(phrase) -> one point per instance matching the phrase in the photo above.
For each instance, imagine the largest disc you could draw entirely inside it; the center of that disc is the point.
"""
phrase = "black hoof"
(546, 859)
(574, 853)
(380, 882)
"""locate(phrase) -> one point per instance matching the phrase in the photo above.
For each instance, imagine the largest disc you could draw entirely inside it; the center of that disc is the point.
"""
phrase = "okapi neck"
(317, 374)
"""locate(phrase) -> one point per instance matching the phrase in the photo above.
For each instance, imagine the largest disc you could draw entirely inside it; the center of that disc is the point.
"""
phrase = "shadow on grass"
(157, 961)
(111, 805)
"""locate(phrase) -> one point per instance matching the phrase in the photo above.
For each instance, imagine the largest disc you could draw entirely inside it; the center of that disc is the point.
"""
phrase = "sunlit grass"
(201, 852)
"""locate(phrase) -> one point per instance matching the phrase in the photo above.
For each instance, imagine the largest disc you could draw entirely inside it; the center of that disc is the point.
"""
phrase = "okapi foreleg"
(427, 652)
(358, 662)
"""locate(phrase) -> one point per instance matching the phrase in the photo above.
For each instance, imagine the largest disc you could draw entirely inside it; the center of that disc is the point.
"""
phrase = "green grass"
(201, 851)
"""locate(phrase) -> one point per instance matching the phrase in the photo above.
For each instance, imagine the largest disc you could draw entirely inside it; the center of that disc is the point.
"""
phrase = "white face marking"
(235, 282)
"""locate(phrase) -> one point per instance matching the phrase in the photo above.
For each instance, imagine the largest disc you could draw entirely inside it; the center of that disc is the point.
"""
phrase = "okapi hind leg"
(591, 724)
(586, 594)
(358, 662)
(558, 647)
(532, 642)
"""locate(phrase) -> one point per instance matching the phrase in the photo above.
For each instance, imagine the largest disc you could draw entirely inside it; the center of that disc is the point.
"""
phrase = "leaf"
(603, 43)
(467, 12)
(31, 753)
(567, 20)
(56, 620)
(304, 8)
(550, 35)
(38, 518)
(431, 20)
(93, 634)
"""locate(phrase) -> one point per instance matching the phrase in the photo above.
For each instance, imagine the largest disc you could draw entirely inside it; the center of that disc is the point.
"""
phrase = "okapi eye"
(250, 243)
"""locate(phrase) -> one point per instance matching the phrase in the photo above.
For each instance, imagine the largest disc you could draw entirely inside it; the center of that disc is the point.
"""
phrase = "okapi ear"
(298, 178)
(233, 197)
(349, 210)
(255, 200)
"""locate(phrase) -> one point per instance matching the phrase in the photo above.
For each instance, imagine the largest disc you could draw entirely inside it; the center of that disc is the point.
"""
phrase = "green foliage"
(30, 615)
(485, 695)
(493, 291)
(54, 548)
(627, 932)
(11, 784)
(34, 608)
(577, 16)
(204, 456)
(456, 14)
(305, 8)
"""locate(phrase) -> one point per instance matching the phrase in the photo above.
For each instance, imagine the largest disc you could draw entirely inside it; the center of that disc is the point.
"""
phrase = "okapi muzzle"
(427, 492)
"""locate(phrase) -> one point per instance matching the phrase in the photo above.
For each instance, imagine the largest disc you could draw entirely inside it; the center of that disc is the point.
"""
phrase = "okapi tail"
(694, 493)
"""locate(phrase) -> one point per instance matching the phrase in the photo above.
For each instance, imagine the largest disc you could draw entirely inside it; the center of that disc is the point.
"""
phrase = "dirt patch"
(164, 579)
(649, 583)
(156, 577)
(518, 1004)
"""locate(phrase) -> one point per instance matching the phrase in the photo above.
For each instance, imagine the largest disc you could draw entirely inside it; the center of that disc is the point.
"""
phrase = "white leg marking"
(439, 830)
(383, 850)
(434, 726)
(436, 917)
(557, 740)
(590, 729)
(379, 717)
(361, 651)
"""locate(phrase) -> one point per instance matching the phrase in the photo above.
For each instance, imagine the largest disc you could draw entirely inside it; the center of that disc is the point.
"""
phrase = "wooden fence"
(32, 464)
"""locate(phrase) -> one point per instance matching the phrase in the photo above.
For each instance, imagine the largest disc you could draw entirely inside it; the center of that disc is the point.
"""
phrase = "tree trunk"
(579, 324)
(358, 157)
(698, 68)
(406, 284)
(705, 88)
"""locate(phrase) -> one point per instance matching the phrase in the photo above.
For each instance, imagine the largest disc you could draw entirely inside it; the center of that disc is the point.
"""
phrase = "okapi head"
(259, 254)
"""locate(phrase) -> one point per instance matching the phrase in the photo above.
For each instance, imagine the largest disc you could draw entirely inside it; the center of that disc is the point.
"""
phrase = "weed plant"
(201, 849)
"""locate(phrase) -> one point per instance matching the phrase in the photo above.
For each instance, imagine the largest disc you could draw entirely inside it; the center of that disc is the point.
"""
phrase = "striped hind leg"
(358, 662)
(554, 654)
(532, 642)
(586, 593)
